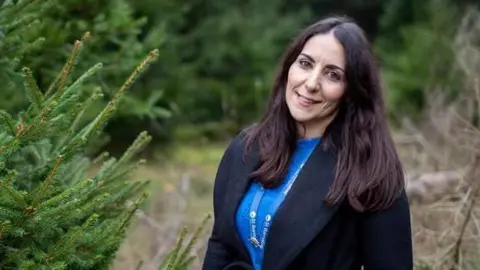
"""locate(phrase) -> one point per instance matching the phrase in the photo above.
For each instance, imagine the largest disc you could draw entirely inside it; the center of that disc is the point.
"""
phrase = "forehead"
(325, 49)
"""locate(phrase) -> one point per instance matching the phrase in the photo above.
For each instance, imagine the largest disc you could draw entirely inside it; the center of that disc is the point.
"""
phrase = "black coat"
(305, 233)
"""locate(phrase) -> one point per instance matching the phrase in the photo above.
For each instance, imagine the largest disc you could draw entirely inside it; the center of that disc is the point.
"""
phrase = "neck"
(314, 128)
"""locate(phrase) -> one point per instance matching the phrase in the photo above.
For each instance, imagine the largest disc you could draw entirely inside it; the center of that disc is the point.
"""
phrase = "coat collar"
(299, 218)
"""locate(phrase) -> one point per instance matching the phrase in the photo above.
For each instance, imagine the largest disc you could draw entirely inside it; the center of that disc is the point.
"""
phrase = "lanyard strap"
(254, 208)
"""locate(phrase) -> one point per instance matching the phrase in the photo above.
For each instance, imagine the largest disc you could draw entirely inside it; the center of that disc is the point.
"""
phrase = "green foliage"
(16, 44)
(119, 41)
(218, 63)
(418, 58)
(220, 58)
(179, 258)
(53, 213)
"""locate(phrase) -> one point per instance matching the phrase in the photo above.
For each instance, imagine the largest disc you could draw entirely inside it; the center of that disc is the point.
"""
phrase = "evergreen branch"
(89, 207)
(193, 240)
(112, 169)
(34, 94)
(77, 112)
(4, 226)
(10, 175)
(152, 57)
(68, 69)
(68, 66)
(114, 187)
(15, 194)
(111, 106)
(103, 232)
(170, 262)
(17, 8)
(127, 169)
(73, 147)
(140, 142)
(47, 182)
(6, 200)
(84, 77)
(76, 170)
(65, 194)
(101, 158)
(64, 208)
(127, 190)
(19, 32)
(37, 121)
(117, 194)
(32, 46)
(186, 263)
(9, 122)
(6, 213)
(110, 228)
(134, 209)
(105, 170)
(11, 146)
(97, 94)
(22, 21)
(72, 236)
(55, 81)
(99, 121)
(65, 105)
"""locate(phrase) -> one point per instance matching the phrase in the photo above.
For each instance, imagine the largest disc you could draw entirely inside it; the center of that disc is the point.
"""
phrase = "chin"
(302, 116)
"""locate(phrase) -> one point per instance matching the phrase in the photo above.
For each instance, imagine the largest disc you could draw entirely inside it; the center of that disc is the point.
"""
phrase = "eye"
(334, 76)
(304, 63)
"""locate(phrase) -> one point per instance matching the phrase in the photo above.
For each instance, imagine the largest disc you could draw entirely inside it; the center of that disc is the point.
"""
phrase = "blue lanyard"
(254, 208)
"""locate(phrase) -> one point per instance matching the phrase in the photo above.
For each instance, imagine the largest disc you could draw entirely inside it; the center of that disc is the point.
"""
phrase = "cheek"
(295, 77)
(334, 92)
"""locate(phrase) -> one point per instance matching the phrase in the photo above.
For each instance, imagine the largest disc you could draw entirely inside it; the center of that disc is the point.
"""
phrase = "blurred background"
(212, 79)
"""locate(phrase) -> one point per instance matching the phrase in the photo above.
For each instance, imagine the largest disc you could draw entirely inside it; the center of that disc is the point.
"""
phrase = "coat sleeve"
(217, 255)
(387, 238)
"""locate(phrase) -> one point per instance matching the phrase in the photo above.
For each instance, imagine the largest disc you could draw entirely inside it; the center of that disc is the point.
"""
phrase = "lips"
(305, 101)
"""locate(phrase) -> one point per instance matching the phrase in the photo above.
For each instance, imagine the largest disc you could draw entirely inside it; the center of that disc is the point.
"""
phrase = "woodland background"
(215, 67)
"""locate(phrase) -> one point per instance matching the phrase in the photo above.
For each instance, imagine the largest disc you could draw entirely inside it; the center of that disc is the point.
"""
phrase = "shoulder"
(230, 161)
(238, 143)
(398, 209)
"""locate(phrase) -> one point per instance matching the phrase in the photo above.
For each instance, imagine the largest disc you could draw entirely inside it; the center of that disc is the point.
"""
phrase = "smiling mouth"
(306, 100)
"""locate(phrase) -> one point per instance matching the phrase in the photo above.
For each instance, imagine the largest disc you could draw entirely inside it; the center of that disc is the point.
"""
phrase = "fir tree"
(53, 215)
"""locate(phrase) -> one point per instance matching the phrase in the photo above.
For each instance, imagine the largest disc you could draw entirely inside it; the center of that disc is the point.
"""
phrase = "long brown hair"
(368, 170)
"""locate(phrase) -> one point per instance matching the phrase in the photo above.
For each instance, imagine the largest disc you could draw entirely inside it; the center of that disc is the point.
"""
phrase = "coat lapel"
(235, 192)
(303, 213)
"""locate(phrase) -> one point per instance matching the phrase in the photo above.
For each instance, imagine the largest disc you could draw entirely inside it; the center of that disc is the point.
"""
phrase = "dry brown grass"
(445, 208)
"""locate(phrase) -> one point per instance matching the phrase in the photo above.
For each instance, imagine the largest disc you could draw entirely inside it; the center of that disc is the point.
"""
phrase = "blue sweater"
(268, 201)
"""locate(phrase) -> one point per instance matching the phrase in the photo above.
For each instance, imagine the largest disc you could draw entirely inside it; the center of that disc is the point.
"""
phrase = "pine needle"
(33, 92)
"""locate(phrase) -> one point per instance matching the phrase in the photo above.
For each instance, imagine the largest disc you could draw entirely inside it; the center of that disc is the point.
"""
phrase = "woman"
(317, 183)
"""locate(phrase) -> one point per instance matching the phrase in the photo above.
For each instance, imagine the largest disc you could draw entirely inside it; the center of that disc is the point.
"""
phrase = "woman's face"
(316, 80)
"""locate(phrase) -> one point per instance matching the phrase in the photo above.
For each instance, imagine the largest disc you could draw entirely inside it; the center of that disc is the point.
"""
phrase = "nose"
(313, 83)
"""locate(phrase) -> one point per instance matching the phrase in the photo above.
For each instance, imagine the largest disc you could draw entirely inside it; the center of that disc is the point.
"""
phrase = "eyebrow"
(332, 66)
